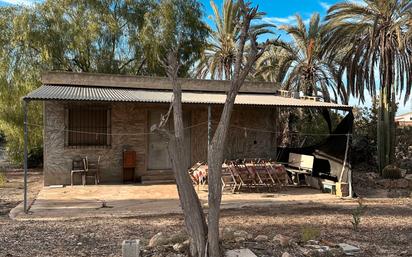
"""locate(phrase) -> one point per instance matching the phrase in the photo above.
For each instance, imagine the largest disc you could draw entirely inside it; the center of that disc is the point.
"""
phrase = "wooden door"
(158, 156)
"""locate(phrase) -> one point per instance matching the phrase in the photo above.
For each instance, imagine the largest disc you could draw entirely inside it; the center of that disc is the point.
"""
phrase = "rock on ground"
(240, 253)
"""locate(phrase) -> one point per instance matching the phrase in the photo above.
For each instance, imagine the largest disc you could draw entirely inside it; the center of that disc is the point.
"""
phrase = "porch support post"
(209, 125)
(275, 127)
(25, 107)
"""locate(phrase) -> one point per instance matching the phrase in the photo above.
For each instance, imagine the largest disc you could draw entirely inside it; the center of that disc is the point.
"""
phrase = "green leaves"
(173, 24)
(306, 67)
(218, 58)
(107, 36)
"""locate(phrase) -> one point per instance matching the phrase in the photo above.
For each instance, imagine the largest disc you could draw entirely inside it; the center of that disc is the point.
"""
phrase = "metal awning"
(107, 94)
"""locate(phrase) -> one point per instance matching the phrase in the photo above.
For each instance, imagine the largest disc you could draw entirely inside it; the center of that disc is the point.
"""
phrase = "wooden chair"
(242, 175)
(192, 171)
(228, 178)
(278, 173)
(78, 167)
(265, 178)
(92, 168)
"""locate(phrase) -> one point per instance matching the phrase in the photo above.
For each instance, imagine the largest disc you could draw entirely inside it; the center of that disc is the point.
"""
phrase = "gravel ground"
(385, 230)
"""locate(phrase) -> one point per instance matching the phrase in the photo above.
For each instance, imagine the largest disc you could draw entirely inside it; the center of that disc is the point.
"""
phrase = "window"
(88, 126)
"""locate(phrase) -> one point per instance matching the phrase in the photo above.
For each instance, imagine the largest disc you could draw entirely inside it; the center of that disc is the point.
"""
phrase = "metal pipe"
(25, 106)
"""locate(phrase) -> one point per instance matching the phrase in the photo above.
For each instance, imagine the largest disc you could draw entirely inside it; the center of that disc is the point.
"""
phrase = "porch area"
(122, 201)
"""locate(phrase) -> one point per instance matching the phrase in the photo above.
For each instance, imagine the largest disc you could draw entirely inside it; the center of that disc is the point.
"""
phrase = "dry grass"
(2, 178)
(385, 230)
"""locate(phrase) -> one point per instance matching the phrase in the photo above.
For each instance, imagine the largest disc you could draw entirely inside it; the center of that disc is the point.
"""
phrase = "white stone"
(313, 242)
(240, 233)
(240, 253)
(286, 254)
(131, 248)
(349, 249)
(157, 240)
(240, 239)
(261, 238)
(283, 240)
(179, 247)
(227, 234)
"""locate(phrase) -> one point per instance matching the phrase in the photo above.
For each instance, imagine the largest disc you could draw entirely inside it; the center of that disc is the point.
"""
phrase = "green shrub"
(35, 157)
(392, 172)
(2, 178)
(357, 214)
(310, 233)
(2, 137)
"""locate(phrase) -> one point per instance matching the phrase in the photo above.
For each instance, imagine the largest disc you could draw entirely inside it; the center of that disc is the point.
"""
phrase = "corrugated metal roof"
(77, 93)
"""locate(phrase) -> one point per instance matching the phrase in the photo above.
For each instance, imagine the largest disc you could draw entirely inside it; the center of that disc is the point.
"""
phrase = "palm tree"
(310, 71)
(274, 64)
(218, 58)
(374, 38)
(219, 54)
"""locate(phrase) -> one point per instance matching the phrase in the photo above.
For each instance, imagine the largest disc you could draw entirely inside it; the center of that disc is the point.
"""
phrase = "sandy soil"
(385, 230)
(11, 194)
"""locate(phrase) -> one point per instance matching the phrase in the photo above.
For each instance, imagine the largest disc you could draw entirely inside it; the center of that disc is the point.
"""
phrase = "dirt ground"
(385, 229)
(11, 194)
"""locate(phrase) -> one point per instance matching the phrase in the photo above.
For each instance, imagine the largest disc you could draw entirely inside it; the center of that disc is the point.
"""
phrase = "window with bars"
(88, 126)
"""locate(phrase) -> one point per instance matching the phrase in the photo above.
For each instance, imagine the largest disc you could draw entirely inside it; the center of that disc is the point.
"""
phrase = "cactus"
(391, 172)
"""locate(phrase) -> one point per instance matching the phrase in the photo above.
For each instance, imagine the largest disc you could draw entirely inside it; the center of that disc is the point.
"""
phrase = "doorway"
(158, 155)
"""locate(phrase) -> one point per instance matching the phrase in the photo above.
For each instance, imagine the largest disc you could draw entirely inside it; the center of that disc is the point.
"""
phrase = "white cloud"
(20, 2)
(289, 20)
(325, 5)
(280, 20)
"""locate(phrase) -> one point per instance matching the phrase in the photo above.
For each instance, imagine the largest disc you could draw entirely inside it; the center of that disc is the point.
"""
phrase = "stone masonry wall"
(126, 118)
(132, 118)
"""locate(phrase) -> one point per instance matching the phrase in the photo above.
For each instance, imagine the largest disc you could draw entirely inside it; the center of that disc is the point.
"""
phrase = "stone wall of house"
(132, 118)
(126, 118)
(258, 141)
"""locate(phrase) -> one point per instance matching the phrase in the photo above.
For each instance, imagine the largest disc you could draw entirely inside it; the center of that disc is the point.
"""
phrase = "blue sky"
(277, 11)
(282, 12)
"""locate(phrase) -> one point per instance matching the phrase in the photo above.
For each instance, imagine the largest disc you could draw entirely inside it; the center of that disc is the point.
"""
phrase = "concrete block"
(240, 253)
(131, 248)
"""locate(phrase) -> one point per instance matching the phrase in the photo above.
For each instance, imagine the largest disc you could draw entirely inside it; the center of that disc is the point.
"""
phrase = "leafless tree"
(205, 236)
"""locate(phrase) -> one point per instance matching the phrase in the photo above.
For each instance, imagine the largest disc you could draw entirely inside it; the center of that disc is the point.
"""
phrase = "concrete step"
(159, 177)
(158, 182)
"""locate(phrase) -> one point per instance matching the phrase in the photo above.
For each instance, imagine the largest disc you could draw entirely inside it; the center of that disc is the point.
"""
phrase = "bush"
(310, 233)
(357, 214)
(2, 178)
(2, 138)
(35, 158)
(391, 172)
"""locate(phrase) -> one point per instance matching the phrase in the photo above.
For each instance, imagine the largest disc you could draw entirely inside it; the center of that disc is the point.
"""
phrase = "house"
(103, 115)
(404, 120)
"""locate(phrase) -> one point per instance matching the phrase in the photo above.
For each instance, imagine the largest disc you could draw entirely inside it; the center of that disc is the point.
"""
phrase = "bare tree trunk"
(192, 210)
(215, 160)
(217, 146)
